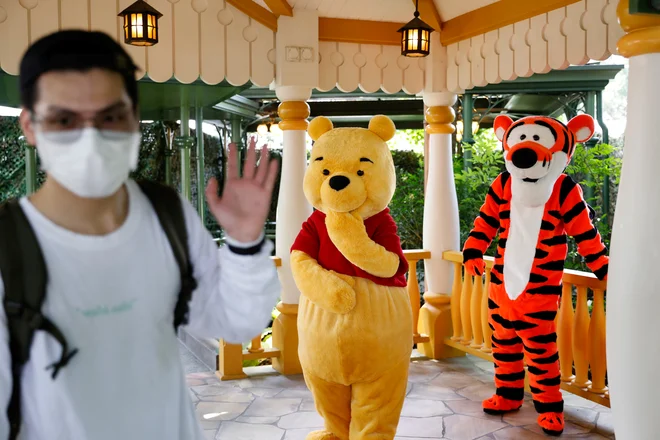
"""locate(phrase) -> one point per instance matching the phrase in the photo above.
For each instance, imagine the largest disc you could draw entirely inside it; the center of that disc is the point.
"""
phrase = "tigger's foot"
(552, 423)
(497, 405)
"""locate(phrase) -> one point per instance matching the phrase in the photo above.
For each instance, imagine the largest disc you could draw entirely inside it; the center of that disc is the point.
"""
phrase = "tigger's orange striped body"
(526, 279)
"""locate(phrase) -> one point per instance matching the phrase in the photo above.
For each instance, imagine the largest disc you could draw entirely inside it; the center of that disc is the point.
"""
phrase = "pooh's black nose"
(524, 158)
(339, 182)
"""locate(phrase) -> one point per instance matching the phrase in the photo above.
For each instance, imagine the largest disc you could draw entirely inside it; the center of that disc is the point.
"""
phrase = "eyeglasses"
(68, 126)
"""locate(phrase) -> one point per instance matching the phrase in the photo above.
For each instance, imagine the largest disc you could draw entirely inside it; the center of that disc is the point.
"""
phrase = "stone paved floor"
(443, 402)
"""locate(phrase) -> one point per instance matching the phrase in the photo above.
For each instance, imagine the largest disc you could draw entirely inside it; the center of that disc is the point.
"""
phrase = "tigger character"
(533, 205)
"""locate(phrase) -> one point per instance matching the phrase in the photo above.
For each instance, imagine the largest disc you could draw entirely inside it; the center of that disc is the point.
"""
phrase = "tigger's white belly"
(521, 246)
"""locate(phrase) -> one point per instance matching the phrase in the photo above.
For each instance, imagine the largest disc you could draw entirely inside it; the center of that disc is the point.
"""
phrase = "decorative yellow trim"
(285, 338)
(280, 7)
(429, 14)
(294, 115)
(359, 31)
(494, 16)
(642, 32)
(440, 120)
(256, 12)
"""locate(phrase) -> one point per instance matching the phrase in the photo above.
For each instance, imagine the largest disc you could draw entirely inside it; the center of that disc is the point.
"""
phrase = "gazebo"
(296, 46)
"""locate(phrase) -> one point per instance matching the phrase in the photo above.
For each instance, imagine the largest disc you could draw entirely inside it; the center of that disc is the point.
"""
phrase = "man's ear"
(501, 125)
(583, 127)
(25, 120)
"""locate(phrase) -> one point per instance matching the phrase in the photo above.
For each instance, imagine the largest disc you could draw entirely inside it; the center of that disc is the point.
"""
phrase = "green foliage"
(407, 205)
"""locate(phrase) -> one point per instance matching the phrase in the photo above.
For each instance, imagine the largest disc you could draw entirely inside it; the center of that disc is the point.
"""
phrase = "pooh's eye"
(360, 173)
(326, 172)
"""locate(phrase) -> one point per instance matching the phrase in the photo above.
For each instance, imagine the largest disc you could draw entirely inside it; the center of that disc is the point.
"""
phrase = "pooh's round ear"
(501, 125)
(383, 127)
(318, 127)
(583, 127)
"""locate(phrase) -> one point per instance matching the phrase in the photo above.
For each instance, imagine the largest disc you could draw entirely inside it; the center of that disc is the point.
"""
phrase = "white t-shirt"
(113, 298)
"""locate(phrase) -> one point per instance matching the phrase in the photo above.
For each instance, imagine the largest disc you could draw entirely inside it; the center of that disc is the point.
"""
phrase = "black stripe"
(545, 407)
(593, 257)
(567, 185)
(568, 145)
(492, 304)
(555, 214)
(545, 124)
(548, 315)
(546, 289)
(494, 279)
(555, 241)
(505, 323)
(507, 342)
(541, 254)
(479, 236)
(508, 357)
(589, 235)
(544, 339)
(546, 360)
(496, 199)
(523, 325)
(602, 272)
(502, 243)
(516, 394)
(547, 226)
(574, 211)
(505, 215)
(491, 326)
(511, 377)
(515, 125)
(497, 254)
(471, 254)
(536, 278)
(535, 390)
(505, 179)
(498, 267)
(550, 382)
(557, 265)
(491, 221)
(534, 350)
(535, 371)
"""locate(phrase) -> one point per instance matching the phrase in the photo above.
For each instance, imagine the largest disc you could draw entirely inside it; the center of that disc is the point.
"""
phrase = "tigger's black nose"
(524, 158)
(339, 182)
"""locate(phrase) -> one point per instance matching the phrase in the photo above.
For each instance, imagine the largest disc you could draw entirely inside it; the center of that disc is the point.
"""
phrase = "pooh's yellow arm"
(325, 288)
(347, 232)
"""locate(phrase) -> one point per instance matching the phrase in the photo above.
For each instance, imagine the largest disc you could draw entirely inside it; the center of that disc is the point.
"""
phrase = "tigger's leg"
(540, 344)
(508, 355)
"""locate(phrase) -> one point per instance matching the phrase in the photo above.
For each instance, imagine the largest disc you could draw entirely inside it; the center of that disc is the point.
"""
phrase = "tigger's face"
(537, 149)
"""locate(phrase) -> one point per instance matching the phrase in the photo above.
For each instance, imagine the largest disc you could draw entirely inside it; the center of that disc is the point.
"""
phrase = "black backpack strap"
(23, 298)
(169, 209)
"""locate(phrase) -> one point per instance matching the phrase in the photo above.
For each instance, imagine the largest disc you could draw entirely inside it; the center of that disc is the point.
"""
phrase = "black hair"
(74, 50)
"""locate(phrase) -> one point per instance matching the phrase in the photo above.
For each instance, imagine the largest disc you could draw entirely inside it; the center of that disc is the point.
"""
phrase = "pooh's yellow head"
(351, 169)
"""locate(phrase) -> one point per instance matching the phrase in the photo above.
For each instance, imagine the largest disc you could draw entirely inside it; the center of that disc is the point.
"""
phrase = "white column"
(441, 224)
(633, 296)
(292, 207)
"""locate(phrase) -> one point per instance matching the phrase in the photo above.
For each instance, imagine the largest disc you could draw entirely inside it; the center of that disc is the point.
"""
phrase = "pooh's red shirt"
(314, 240)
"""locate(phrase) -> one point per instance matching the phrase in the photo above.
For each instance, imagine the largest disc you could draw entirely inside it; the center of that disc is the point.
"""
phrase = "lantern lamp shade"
(140, 24)
(416, 38)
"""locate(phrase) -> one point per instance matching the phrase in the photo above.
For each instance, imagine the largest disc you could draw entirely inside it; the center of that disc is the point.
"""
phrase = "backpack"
(25, 277)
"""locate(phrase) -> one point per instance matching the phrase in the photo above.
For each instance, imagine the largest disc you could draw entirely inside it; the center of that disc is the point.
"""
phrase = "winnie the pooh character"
(354, 317)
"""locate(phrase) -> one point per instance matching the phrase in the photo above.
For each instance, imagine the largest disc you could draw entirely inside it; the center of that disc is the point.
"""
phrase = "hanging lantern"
(140, 24)
(416, 37)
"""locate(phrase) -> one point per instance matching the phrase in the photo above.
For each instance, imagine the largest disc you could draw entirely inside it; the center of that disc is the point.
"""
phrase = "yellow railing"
(231, 356)
(580, 334)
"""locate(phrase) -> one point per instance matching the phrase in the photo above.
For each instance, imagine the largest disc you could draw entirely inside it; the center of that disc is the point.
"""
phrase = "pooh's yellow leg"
(376, 406)
(333, 403)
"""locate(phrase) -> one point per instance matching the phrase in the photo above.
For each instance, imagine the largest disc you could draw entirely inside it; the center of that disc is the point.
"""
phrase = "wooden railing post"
(230, 361)
(487, 331)
(475, 313)
(565, 334)
(581, 339)
(597, 355)
(456, 290)
(413, 292)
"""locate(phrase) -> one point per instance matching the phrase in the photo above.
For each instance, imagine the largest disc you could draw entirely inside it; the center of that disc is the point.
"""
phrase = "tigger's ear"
(501, 125)
(583, 127)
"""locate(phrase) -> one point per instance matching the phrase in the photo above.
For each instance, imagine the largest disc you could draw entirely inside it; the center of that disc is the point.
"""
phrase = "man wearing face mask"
(113, 279)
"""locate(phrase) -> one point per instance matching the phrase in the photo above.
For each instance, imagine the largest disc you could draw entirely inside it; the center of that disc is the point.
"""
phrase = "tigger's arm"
(579, 225)
(485, 227)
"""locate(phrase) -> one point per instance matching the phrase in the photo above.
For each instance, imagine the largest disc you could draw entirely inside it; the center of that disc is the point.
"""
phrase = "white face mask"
(87, 162)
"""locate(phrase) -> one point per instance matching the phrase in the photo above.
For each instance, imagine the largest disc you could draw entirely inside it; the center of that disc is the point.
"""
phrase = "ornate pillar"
(633, 327)
(441, 225)
(185, 143)
(292, 210)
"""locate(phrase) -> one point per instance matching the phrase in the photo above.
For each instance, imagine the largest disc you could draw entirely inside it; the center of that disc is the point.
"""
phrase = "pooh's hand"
(349, 235)
(327, 289)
